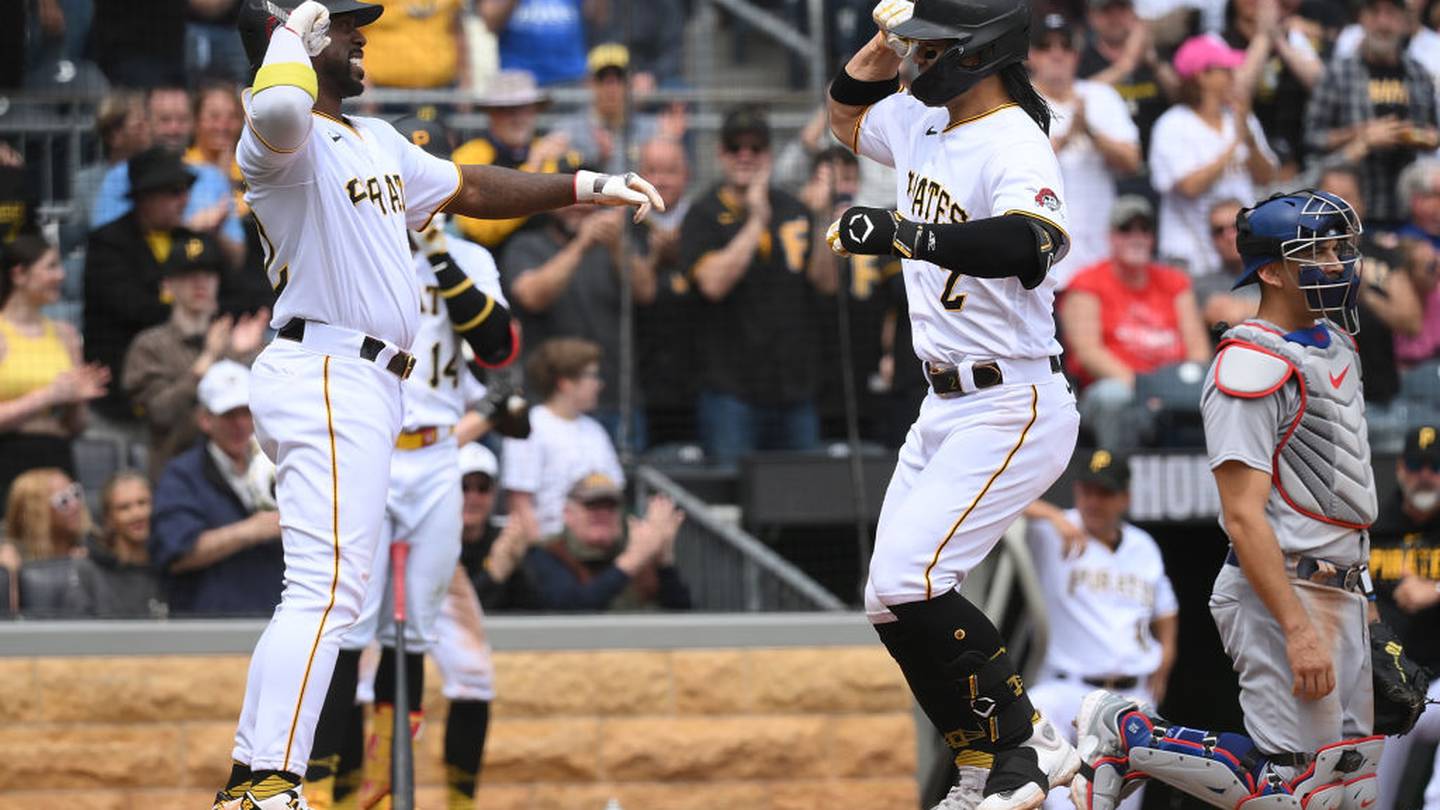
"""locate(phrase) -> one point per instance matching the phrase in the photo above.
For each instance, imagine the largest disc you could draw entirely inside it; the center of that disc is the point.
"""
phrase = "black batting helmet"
(259, 19)
(989, 34)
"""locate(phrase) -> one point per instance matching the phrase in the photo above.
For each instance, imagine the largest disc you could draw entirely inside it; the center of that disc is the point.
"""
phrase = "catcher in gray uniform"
(1285, 431)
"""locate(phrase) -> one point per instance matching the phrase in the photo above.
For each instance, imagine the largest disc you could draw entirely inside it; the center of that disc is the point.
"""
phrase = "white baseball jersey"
(441, 388)
(333, 216)
(558, 453)
(1101, 603)
(993, 164)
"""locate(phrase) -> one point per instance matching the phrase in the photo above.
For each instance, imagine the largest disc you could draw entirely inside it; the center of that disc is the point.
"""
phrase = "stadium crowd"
(132, 302)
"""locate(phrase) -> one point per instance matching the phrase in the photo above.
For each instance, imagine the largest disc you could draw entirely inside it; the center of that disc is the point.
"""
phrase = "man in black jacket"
(125, 262)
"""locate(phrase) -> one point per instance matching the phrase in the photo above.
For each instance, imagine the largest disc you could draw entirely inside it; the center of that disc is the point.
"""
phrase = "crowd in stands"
(131, 305)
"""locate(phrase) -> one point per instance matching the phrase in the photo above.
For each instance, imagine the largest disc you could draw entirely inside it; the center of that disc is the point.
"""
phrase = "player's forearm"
(492, 192)
(1263, 564)
(284, 92)
(874, 62)
(716, 274)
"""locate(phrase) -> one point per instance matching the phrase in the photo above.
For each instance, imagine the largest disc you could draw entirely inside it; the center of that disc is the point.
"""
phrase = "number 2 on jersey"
(450, 369)
(951, 300)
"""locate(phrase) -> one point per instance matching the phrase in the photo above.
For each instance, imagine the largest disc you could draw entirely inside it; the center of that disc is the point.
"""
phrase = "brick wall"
(746, 729)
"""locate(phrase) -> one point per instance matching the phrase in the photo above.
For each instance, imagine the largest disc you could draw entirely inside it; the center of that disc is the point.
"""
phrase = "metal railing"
(727, 569)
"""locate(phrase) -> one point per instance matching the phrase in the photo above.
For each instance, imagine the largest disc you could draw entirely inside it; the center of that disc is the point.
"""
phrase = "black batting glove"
(865, 231)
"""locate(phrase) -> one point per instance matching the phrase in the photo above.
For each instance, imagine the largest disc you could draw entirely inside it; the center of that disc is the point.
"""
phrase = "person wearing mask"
(165, 363)
(45, 519)
(512, 103)
(1376, 108)
(1093, 135)
(1405, 567)
(44, 385)
(115, 577)
(1204, 149)
(603, 561)
(210, 208)
(217, 531)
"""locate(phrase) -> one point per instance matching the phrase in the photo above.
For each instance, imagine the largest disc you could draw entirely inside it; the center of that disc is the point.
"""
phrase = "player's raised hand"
(311, 22)
(1310, 663)
(889, 13)
(617, 189)
(864, 231)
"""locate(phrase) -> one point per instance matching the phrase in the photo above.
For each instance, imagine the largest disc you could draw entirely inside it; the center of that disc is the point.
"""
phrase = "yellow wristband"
(290, 74)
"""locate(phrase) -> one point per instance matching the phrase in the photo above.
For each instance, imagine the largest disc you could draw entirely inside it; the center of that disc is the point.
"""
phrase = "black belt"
(1318, 571)
(1119, 682)
(401, 364)
(946, 380)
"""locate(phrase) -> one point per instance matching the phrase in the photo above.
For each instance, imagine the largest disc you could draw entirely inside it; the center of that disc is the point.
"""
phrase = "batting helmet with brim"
(259, 19)
(987, 34)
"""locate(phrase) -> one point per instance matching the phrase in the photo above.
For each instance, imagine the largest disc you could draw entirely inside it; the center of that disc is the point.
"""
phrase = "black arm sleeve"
(479, 319)
(996, 247)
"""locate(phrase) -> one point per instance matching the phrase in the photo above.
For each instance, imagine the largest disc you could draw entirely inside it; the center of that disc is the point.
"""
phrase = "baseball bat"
(402, 755)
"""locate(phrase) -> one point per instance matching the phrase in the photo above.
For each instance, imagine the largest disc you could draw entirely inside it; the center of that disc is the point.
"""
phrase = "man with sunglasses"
(1405, 563)
(751, 251)
(1285, 428)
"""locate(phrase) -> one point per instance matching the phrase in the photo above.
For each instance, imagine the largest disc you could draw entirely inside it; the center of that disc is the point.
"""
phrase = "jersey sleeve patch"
(1250, 372)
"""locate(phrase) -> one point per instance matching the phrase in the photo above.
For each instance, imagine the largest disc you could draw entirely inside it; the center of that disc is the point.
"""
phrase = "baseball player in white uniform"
(979, 220)
(1112, 613)
(1285, 430)
(335, 197)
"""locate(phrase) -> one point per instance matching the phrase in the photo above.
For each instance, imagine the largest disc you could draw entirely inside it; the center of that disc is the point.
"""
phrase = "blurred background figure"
(598, 132)
(406, 31)
(1215, 293)
(46, 525)
(492, 556)
(124, 132)
(1120, 51)
(543, 37)
(1280, 69)
(115, 577)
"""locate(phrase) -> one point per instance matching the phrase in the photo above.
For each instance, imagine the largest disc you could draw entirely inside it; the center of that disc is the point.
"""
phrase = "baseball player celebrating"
(980, 220)
(423, 507)
(1113, 616)
(334, 197)
(1285, 429)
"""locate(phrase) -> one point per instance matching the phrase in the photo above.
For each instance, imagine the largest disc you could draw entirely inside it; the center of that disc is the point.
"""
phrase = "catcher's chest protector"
(1322, 464)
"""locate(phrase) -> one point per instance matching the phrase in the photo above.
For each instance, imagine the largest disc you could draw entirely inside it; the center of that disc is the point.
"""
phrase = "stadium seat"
(46, 585)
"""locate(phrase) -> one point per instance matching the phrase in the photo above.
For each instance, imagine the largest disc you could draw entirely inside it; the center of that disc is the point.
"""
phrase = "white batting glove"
(310, 21)
(432, 241)
(890, 13)
(832, 238)
(617, 189)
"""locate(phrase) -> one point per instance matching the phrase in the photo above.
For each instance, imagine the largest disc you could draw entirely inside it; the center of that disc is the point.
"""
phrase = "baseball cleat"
(1055, 756)
(969, 789)
(284, 800)
(1101, 783)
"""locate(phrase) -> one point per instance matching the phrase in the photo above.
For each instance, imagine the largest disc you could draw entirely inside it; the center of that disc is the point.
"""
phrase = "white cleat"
(1055, 756)
(285, 800)
(1097, 730)
(968, 791)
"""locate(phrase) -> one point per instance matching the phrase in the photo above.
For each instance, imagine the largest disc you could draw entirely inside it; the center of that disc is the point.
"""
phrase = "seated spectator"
(398, 38)
(45, 520)
(1420, 196)
(1093, 135)
(212, 47)
(513, 103)
(124, 132)
(219, 120)
(140, 47)
(597, 132)
(563, 278)
(1279, 70)
(656, 41)
(217, 532)
(491, 556)
(1121, 52)
(1215, 293)
(43, 383)
(751, 252)
(600, 561)
(1422, 267)
(165, 363)
(125, 263)
(1376, 108)
(1097, 572)
(116, 578)
(210, 207)
(18, 201)
(1204, 149)
(564, 442)
(545, 38)
(1125, 317)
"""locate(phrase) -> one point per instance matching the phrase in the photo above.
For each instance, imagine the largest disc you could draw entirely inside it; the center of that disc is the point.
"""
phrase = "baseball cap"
(191, 253)
(1422, 447)
(477, 458)
(1106, 469)
(1130, 207)
(744, 121)
(157, 168)
(1200, 53)
(1053, 24)
(225, 387)
(608, 56)
(595, 486)
(513, 88)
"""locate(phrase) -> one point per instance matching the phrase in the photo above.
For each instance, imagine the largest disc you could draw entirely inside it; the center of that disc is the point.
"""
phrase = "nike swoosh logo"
(334, 137)
(1217, 791)
(1335, 381)
(930, 131)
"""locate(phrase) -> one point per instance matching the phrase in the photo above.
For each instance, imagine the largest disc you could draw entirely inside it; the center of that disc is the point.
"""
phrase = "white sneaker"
(1055, 756)
(1097, 729)
(968, 791)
